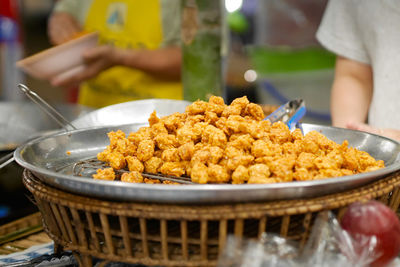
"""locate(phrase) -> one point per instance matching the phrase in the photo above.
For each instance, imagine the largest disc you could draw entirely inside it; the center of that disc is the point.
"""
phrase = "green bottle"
(201, 49)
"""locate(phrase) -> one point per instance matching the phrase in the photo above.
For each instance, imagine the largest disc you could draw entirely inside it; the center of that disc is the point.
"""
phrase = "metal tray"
(49, 159)
(137, 111)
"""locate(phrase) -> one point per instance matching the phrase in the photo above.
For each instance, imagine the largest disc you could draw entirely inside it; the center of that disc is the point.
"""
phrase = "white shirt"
(369, 32)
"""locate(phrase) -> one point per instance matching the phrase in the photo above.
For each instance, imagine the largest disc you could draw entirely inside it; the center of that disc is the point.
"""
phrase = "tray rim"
(154, 190)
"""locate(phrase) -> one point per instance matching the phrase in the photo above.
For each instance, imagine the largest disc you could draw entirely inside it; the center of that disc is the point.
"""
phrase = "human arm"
(164, 63)
(351, 92)
(351, 96)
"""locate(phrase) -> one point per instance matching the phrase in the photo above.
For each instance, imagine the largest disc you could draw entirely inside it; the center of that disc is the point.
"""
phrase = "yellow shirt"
(129, 24)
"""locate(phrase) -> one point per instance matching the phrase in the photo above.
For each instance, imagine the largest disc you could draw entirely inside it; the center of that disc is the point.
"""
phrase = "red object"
(374, 219)
(72, 95)
(9, 8)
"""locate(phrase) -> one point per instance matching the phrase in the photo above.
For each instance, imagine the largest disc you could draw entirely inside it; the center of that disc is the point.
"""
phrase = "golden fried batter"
(145, 150)
(153, 165)
(186, 151)
(105, 174)
(173, 168)
(217, 174)
(259, 174)
(134, 164)
(217, 143)
(199, 173)
(132, 177)
(240, 175)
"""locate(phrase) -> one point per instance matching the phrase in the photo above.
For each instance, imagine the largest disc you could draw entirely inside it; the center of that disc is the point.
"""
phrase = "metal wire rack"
(88, 167)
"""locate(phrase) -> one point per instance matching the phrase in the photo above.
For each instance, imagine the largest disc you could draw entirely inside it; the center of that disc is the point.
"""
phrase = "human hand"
(96, 60)
(62, 27)
(391, 133)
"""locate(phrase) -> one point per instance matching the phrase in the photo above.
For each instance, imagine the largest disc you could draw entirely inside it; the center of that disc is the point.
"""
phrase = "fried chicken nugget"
(368, 163)
(214, 136)
(186, 151)
(153, 165)
(145, 150)
(119, 143)
(217, 174)
(240, 175)
(173, 168)
(280, 133)
(350, 160)
(144, 133)
(216, 105)
(186, 134)
(158, 129)
(201, 155)
(151, 181)
(216, 154)
(297, 134)
(259, 149)
(259, 170)
(241, 102)
(256, 129)
(102, 156)
(116, 160)
(221, 124)
(115, 137)
(217, 100)
(259, 174)
(174, 121)
(170, 155)
(321, 140)
(199, 173)
(302, 174)
(244, 160)
(134, 164)
(211, 117)
(153, 119)
(231, 110)
(305, 160)
(132, 177)
(166, 141)
(236, 124)
(197, 107)
(283, 167)
(232, 152)
(105, 174)
(242, 142)
(255, 111)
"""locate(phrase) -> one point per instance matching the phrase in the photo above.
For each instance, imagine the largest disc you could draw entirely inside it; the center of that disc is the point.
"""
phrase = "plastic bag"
(328, 245)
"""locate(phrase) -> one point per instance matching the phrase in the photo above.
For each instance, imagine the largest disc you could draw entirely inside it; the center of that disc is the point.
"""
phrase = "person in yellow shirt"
(138, 57)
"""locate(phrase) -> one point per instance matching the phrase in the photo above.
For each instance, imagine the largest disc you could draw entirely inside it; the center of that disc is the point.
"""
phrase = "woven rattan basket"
(179, 235)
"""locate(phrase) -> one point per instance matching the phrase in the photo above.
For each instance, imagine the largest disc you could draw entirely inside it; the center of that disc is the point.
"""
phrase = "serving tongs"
(289, 113)
(47, 108)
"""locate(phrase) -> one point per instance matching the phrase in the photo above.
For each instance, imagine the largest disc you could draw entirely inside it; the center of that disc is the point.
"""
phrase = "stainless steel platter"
(50, 158)
(137, 111)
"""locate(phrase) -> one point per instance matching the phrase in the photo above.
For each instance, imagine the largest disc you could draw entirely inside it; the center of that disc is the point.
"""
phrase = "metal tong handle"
(52, 112)
(289, 113)
(46, 107)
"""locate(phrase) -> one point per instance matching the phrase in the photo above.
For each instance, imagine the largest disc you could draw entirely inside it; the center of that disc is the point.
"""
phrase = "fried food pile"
(216, 143)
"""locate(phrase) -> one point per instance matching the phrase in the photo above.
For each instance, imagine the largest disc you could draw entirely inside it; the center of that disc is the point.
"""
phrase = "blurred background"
(271, 55)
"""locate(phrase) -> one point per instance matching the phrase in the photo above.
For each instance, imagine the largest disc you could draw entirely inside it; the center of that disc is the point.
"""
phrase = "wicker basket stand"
(181, 235)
